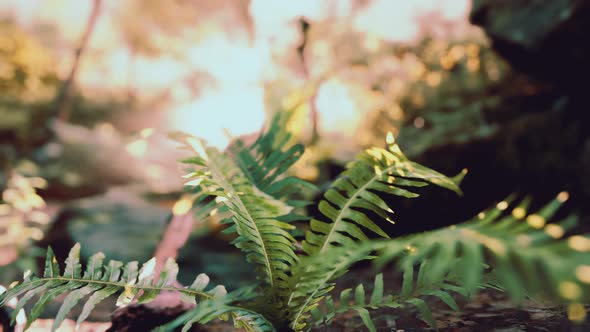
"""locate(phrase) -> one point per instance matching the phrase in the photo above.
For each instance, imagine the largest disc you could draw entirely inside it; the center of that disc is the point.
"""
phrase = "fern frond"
(313, 279)
(375, 171)
(525, 254)
(333, 241)
(267, 160)
(356, 299)
(255, 215)
(99, 281)
(520, 254)
(223, 309)
(314, 285)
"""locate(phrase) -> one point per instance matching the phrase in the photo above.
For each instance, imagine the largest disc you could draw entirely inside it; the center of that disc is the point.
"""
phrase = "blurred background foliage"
(90, 90)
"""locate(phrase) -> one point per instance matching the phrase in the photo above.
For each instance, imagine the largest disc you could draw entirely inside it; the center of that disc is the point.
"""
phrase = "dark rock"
(520, 134)
(545, 39)
(539, 146)
(138, 318)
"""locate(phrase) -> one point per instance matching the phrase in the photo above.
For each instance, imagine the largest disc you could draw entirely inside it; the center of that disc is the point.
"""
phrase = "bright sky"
(237, 102)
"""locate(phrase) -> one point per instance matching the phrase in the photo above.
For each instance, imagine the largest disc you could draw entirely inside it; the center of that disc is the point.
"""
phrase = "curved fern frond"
(98, 282)
(356, 299)
(255, 215)
(266, 161)
(524, 253)
(333, 241)
(346, 203)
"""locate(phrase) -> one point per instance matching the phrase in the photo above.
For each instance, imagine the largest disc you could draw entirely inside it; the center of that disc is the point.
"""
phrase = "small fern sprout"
(507, 247)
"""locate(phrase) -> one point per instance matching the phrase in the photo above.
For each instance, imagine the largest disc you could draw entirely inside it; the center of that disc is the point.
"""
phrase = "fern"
(522, 253)
(346, 203)
(375, 171)
(356, 299)
(525, 253)
(316, 283)
(513, 252)
(313, 279)
(267, 160)
(98, 282)
(255, 215)
(264, 163)
(209, 310)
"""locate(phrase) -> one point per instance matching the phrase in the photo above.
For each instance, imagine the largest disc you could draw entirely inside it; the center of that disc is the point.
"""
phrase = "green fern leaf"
(262, 236)
(73, 266)
(411, 297)
(242, 318)
(345, 204)
(98, 282)
(70, 302)
(445, 297)
(524, 252)
(344, 208)
(48, 296)
(130, 274)
(30, 294)
(266, 161)
(524, 256)
(313, 276)
(51, 265)
(222, 307)
(377, 295)
(424, 310)
(356, 302)
(200, 283)
(98, 296)
(366, 317)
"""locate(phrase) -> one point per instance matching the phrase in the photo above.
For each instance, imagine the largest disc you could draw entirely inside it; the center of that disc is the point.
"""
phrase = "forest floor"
(489, 311)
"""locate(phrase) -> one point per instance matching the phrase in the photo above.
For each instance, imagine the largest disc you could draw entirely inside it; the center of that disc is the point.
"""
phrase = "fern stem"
(123, 285)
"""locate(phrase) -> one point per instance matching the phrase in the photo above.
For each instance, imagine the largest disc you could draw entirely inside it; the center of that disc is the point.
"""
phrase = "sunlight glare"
(338, 109)
(579, 243)
(240, 111)
(182, 206)
(137, 148)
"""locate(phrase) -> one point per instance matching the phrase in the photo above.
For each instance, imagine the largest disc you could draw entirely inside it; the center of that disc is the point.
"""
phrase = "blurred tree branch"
(314, 115)
(62, 101)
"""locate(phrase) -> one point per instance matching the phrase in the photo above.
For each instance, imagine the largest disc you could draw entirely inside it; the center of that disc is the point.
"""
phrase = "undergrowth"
(524, 253)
